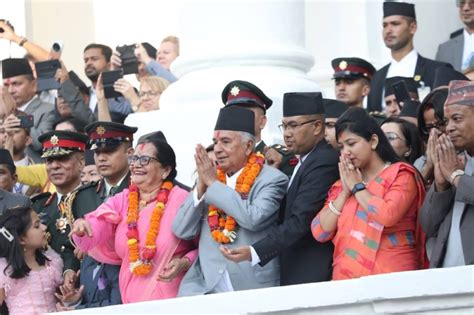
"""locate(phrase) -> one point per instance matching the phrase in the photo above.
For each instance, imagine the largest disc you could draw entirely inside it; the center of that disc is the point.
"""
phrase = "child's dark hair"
(16, 221)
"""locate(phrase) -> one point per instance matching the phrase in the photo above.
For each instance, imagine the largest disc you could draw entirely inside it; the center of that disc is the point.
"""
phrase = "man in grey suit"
(448, 211)
(18, 79)
(459, 51)
(253, 211)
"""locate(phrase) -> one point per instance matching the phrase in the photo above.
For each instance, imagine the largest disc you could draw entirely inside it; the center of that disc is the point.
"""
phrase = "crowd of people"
(378, 180)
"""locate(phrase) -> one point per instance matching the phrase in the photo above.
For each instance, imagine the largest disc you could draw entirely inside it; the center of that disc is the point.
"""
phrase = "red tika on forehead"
(141, 146)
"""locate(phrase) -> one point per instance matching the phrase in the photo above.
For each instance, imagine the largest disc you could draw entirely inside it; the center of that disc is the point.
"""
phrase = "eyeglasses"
(438, 124)
(391, 136)
(149, 93)
(144, 159)
(293, 126)
(461, 3)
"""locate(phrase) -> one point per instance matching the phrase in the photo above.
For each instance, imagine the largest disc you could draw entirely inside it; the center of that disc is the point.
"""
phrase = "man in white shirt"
(459, 51)
(245, 194)
(18, 79)
(399, 28)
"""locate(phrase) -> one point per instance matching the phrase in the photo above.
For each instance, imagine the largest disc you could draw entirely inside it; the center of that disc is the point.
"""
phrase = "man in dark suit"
(246, 95)
(302, 259)
(459, 50)
(399, 28)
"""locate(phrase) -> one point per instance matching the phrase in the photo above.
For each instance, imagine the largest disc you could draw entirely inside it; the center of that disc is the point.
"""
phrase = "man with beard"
(399, 28)
(63, 152)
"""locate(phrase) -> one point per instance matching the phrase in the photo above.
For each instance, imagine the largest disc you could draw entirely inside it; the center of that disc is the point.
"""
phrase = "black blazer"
(425, 68)
(302, 258)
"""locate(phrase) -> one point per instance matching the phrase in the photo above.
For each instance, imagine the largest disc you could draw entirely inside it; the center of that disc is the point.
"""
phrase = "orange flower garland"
(222, 225)
(142, 266)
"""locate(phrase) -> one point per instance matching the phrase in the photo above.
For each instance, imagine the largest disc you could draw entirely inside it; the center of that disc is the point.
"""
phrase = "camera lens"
(56, 47)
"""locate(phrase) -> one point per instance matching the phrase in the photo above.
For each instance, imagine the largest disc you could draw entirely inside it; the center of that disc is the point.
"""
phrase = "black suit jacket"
(425, 68)
(302, 258)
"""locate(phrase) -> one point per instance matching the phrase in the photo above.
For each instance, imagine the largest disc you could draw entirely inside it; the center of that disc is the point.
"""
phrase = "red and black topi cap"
(352, 68)
(245, 94)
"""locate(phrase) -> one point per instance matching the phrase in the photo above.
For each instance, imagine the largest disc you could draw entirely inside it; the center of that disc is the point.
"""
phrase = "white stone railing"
(435, 291)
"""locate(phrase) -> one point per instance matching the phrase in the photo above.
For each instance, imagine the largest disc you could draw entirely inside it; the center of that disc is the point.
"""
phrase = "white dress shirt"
(92, 99)
(468, 53)
(224, 284)
(405, 67)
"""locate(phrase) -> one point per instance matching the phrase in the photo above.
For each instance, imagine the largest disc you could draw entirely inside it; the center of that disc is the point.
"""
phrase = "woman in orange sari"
(371, 212)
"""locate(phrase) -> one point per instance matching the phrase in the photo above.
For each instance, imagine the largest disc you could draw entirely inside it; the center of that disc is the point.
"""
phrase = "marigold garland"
(142, 266)
(222, 225)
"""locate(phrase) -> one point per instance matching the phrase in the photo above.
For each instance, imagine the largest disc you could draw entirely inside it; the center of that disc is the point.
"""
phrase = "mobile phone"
(108, 80)
(400, 90)
(129, 60)
(46, 71)
(26, 121)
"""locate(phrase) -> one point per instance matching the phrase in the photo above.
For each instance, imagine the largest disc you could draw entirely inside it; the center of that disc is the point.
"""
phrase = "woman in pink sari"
(133, 228)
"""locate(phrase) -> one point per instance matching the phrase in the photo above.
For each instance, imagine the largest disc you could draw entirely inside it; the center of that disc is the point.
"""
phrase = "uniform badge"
(235, 90)
(343, 65)
(100, 130)
(417, 77)
(54, 140)
(61, 224)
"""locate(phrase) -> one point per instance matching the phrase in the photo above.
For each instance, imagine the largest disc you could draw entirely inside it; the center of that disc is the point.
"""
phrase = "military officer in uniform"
(352, 79)
(112, 145)
(63, 152)
(246, 95)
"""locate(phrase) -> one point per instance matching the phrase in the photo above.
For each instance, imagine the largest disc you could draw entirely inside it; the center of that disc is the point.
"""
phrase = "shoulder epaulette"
(41, 196)
(281, 149)
(90, 185)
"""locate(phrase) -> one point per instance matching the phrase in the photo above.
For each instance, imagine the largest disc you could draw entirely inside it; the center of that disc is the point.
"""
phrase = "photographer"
(37, 52)
(20, 83)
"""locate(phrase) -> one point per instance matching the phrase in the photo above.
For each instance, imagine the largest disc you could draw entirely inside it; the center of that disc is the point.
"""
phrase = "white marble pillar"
(257, 41)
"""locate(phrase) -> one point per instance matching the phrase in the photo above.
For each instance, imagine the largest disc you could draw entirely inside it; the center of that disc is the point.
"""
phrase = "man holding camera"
(20, 83)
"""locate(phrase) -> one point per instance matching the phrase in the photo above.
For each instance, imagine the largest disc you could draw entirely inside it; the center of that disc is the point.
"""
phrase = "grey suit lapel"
(33, 106)
(458, 49)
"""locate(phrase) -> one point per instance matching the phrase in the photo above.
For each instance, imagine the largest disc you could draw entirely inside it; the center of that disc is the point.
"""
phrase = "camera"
(129, 60)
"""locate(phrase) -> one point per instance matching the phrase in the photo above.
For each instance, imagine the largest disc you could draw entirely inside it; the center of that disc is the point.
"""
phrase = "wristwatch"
(455, 174)
(358, 187)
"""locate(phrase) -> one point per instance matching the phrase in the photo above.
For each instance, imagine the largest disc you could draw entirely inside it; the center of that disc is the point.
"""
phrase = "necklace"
(223, 226)
(141, 263)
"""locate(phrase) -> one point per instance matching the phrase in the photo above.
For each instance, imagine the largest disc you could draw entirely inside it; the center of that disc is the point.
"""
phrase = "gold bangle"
(22, 41)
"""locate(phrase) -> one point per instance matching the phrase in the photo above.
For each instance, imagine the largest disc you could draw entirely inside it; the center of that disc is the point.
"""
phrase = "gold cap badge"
(54, 140)
(343, 65)
(417, 77)
(100, 130)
